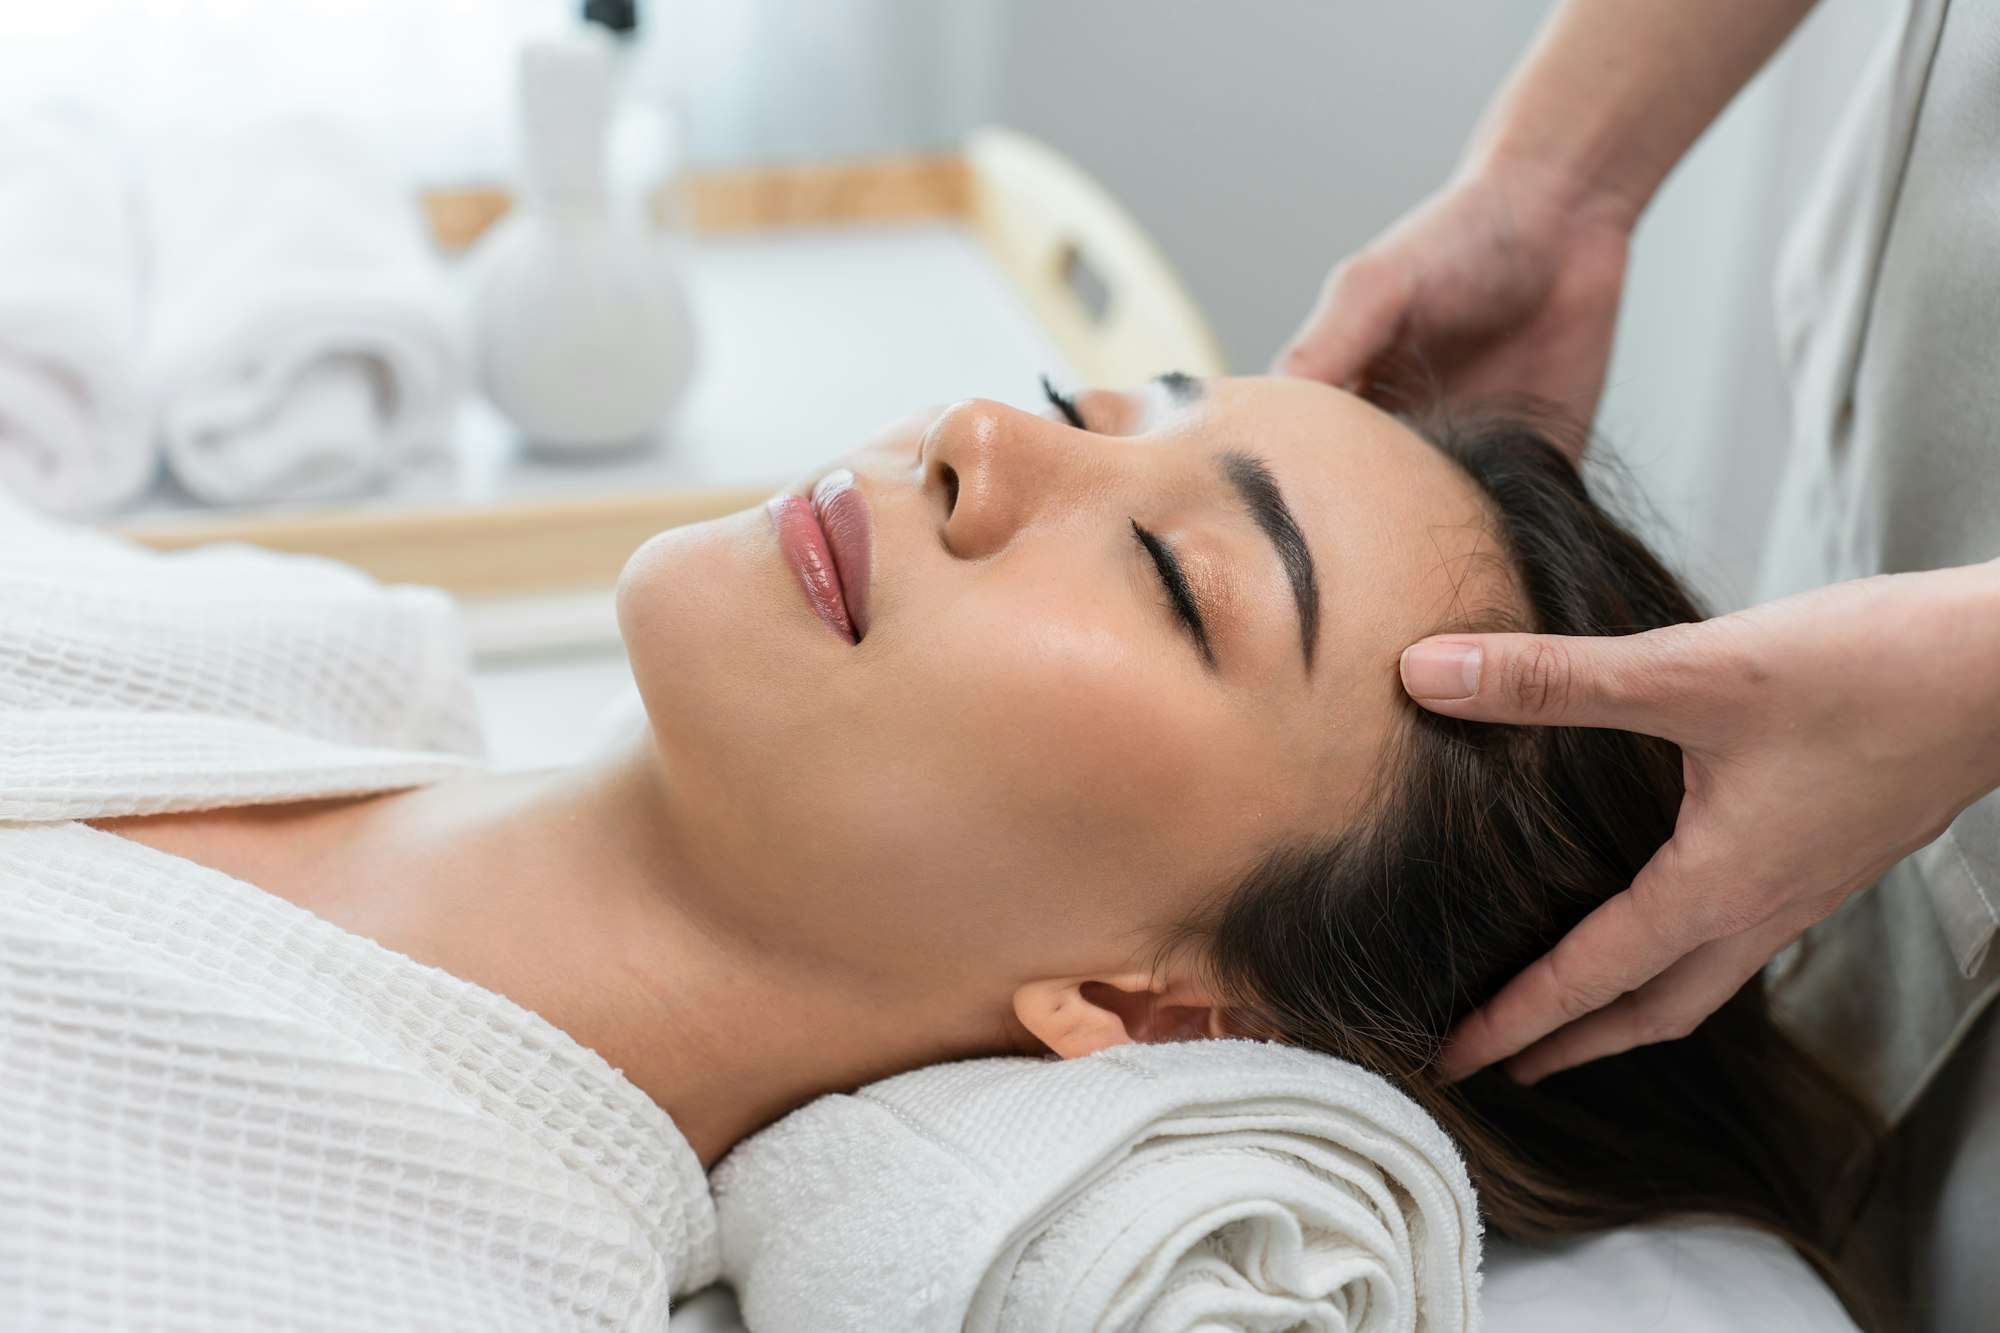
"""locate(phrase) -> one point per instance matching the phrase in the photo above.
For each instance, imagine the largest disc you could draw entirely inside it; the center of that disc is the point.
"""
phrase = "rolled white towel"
(304, 341)
(1215, 1186)
(73, 437)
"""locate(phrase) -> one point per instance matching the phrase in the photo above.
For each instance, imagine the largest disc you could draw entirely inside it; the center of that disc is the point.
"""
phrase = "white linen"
(73, 434)
(1215, 1185)
(220, 1110)
(304, 340)
(1667, 1278)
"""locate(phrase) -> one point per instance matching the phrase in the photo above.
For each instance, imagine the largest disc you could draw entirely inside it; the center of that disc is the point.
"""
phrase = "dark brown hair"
(1480, 848)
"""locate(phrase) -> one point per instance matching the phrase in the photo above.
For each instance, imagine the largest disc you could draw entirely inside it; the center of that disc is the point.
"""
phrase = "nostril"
(950, 478)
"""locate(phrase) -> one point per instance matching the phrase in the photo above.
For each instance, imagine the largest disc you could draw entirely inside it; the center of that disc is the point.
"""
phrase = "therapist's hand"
(1825, 737)
(1501, 283)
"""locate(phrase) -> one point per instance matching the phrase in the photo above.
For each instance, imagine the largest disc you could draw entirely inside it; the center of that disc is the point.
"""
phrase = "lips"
(827, 540)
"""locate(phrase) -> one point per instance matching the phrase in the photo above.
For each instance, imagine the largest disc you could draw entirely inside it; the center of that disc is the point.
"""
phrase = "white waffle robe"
(219, 1110)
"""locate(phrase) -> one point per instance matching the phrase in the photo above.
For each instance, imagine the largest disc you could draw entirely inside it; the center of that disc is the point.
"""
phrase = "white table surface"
(538, 713)
(809, 340)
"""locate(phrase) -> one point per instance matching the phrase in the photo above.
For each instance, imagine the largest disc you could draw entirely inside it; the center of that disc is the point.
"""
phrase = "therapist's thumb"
(1541, 679)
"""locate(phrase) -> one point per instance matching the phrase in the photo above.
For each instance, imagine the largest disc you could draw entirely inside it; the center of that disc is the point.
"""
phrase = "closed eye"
(1179, 593)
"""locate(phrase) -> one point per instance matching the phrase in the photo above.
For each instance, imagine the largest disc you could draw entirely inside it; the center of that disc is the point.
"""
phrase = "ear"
(1077, 1016)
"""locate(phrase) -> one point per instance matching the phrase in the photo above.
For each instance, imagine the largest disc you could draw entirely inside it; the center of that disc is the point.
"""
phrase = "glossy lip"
(826, 539)
(849, 526)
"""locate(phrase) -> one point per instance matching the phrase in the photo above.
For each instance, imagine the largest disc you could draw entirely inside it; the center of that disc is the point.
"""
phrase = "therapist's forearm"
(1614, 92)
(1936, 655)
(1980, 627)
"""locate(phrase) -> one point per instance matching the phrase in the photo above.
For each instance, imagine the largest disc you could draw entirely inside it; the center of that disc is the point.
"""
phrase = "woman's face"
(1103, 668)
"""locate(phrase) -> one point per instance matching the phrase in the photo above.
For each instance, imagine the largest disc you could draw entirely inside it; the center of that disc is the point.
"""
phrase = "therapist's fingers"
(1630, 939)
(1668, 1007)
(1356, 319)
(1649, 682)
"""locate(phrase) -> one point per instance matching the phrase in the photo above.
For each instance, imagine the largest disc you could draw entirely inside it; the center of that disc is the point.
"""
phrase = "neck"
(564, 891)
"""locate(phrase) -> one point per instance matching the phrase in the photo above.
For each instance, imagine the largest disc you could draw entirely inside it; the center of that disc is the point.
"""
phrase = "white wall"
(1257, 141)
(791, 80)
(1260, 142)
(429, 84)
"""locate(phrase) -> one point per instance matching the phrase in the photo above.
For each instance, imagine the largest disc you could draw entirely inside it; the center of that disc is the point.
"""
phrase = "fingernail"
(1441, 670)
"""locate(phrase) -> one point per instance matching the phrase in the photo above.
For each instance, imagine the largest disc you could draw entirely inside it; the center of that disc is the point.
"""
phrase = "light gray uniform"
(1889, 316)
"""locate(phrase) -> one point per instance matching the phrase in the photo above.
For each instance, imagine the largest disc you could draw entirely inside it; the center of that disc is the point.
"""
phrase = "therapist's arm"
(1825, 737)
(1508, 279)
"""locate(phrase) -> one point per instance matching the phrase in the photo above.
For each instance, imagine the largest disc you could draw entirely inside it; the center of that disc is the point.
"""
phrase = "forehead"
(1403, 540)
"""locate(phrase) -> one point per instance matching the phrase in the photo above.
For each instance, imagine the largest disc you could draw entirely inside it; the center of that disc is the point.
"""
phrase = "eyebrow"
(1259, 489)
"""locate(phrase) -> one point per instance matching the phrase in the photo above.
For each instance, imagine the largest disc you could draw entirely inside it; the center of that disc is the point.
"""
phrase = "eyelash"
(1063, 404)
(1168, 567)
(1178, 591)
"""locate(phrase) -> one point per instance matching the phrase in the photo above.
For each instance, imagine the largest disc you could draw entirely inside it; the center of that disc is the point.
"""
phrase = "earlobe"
(1077, 1016)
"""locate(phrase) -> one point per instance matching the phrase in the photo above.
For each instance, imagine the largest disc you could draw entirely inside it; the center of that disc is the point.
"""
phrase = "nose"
(995, 470)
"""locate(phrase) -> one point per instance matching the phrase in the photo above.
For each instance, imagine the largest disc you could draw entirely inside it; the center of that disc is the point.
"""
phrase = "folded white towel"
(1208, 1186)
(73, 437)
(304, 341)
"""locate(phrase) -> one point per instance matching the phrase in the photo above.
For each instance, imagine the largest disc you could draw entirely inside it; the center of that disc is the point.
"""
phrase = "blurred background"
(1255, 144)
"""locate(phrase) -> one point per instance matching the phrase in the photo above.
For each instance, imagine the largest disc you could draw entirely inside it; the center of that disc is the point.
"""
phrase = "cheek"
(1068, 738)
(1032, 747)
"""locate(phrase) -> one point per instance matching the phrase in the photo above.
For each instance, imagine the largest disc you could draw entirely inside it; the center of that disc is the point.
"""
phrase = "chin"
(697, 607)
